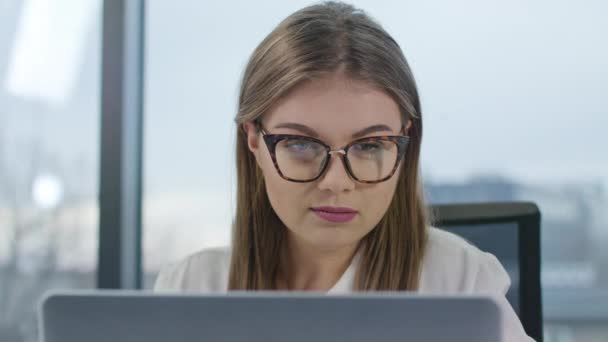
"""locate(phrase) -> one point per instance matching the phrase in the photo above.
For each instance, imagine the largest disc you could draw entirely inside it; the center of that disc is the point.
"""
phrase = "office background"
(514, 101)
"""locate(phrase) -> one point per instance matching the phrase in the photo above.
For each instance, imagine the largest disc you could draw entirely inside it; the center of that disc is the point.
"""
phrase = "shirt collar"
(346, 282)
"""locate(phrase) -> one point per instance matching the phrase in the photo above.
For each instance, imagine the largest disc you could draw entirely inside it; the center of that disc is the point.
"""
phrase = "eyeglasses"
(302, 159)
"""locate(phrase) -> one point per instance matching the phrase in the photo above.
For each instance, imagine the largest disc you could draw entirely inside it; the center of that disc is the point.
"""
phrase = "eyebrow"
(309, 131)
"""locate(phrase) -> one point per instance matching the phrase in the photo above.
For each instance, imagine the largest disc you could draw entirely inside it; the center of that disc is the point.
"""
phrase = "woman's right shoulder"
(205, 271)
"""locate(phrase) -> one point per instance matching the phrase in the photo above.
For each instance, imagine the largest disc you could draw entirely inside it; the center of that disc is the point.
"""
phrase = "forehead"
(336, 106)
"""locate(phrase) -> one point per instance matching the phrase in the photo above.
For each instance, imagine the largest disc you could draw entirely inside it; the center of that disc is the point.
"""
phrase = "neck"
(309, 268)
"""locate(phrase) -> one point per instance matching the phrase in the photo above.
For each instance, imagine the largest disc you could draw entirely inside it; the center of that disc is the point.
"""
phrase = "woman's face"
(332, 109)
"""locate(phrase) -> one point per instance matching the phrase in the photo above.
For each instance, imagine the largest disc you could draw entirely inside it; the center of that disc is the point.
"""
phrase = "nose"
(335, 178)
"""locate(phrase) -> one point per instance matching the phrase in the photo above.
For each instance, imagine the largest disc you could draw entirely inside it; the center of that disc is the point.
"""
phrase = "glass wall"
(49, 121)
(514, 105)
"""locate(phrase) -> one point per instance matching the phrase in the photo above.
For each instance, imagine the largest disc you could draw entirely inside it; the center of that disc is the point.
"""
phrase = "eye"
(301, 149)
(368, 147)
(298, 145)
(371, 149)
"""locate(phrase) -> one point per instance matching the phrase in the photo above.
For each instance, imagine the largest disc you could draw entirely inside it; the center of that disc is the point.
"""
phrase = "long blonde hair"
(310, 43)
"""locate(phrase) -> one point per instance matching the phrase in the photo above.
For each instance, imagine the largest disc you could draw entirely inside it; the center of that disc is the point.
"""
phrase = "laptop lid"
(267, 316)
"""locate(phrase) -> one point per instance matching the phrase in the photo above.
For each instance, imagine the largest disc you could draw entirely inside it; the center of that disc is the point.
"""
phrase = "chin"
(331, 238)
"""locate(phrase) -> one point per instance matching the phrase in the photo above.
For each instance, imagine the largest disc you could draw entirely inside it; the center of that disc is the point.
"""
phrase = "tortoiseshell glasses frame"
(271, 141)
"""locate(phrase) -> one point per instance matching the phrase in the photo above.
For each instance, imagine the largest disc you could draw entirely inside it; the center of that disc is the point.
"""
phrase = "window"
(49, 84)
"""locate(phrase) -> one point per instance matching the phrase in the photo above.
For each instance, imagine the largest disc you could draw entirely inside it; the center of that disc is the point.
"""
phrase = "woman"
(329, 195)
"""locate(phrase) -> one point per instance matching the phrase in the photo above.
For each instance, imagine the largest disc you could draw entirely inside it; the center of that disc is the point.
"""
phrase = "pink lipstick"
(335, 214)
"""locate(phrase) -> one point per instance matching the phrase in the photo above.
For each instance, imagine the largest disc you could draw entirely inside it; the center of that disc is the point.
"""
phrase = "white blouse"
(451, 265)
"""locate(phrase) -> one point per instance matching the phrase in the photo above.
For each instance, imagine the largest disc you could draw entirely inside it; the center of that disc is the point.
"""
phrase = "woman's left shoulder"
(451, 264)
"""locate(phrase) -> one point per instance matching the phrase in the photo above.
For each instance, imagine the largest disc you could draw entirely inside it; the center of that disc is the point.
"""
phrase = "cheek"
(282, 194)
(378, 199)
(285, 197)
(381, 200)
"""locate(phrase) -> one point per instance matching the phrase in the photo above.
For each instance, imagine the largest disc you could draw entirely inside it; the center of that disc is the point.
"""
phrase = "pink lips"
(335, 214)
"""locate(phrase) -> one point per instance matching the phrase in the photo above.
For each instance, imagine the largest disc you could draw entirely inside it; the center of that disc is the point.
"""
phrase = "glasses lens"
(372, 160)
(300, 159)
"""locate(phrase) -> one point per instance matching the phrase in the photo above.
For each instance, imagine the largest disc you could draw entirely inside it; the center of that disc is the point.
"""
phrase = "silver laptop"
(266, 316)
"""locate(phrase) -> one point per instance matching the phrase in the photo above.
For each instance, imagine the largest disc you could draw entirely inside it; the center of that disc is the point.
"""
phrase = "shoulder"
(204, 271)
(453, 265)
